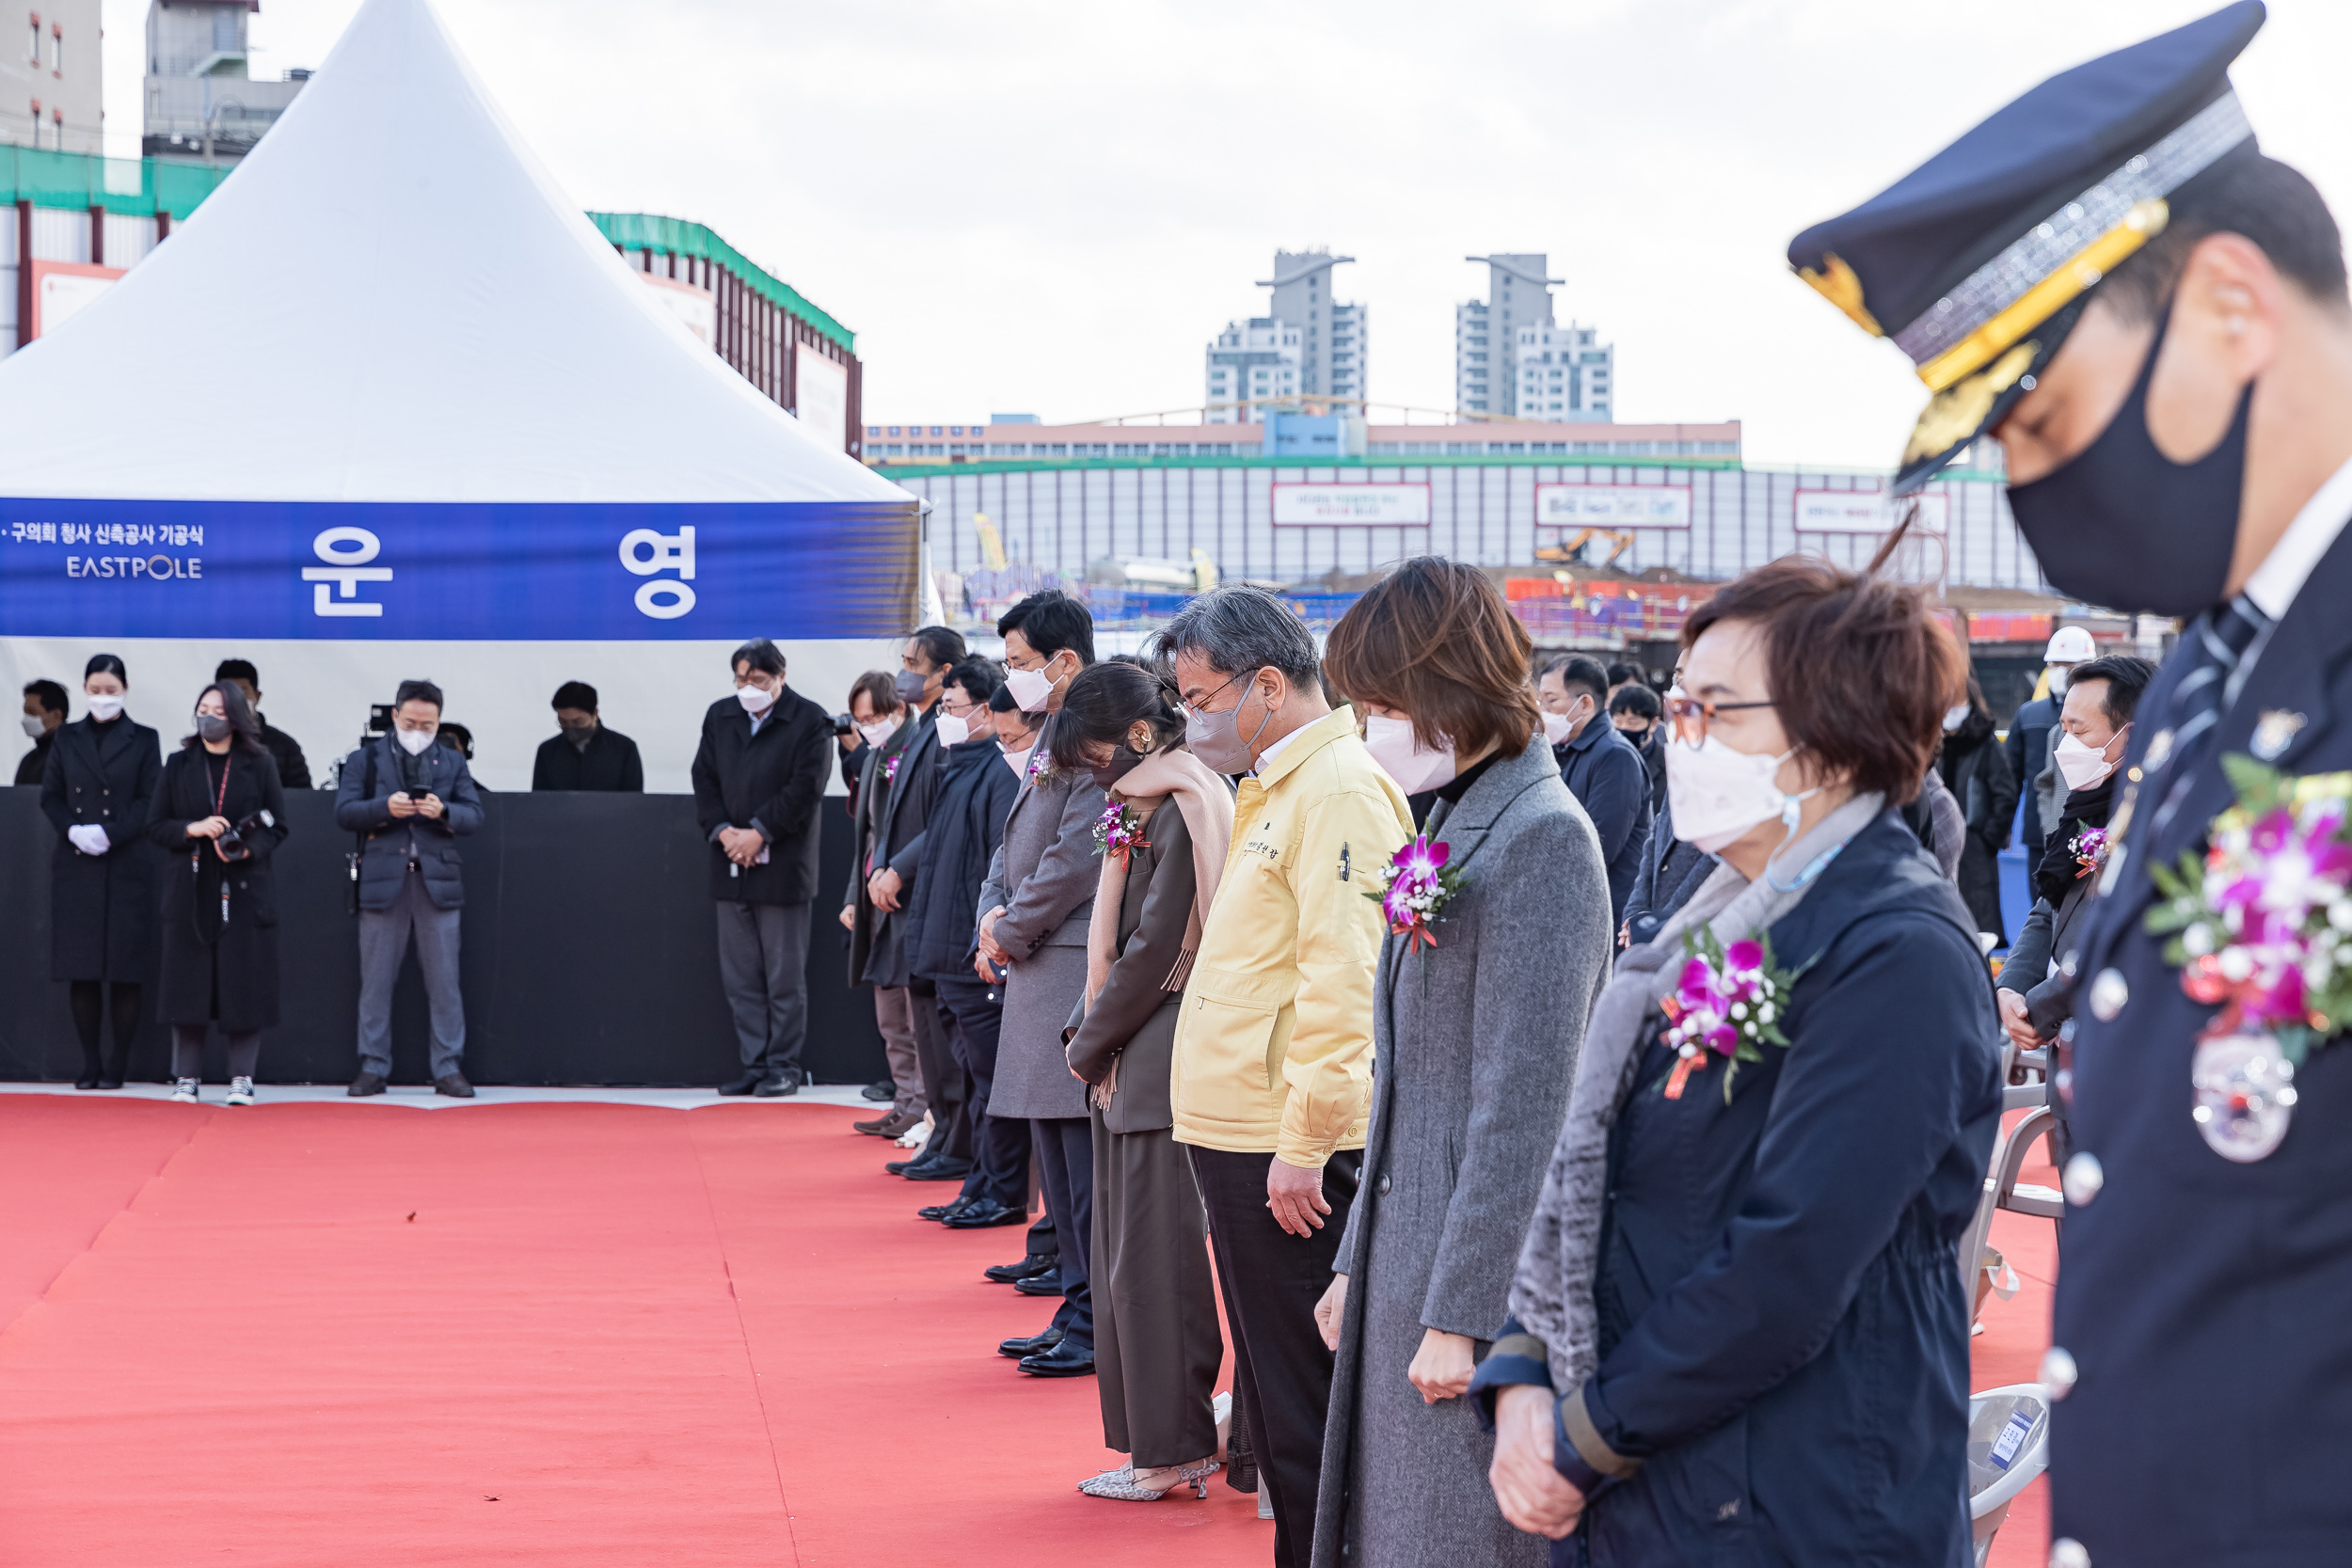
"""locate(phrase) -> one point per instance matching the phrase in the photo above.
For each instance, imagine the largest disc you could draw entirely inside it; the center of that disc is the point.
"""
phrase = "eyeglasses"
(1689, 717)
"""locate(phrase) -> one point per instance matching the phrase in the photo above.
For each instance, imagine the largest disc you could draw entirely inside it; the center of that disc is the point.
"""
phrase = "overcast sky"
(1049, 207)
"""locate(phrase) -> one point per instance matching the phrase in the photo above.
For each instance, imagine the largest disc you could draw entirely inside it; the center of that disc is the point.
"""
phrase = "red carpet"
(568, 1335)
(574, 1335)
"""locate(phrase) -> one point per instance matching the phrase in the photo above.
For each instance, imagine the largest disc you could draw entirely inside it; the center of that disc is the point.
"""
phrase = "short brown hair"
(1436, 640)
(1861, 670)
(880, 688)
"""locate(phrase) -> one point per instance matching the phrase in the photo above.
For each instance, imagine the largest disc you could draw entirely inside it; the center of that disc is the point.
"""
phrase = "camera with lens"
(843, 725)
(232, 842)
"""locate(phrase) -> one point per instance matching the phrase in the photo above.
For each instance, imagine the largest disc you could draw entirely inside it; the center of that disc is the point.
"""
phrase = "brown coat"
(1133, 1023)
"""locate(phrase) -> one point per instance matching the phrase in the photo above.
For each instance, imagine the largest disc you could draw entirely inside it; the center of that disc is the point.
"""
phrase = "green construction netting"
(137, 186)
(677, 236)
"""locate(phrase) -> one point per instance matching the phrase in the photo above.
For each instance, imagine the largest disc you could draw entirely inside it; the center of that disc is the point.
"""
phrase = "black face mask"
(1112, 771)
(2123, 526)
(212, 726)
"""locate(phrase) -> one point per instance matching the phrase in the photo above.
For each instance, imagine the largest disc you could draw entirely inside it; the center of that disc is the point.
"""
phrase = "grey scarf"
(1552, 1293)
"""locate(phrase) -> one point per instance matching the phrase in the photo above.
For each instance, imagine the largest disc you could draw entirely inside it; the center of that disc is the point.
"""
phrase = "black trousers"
(942, 1078)
(1065, 1163)
(1000, 1147)
(1271, 1281)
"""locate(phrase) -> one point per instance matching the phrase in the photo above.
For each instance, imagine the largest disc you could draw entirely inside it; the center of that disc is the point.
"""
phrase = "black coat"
(608, 763)
(102, 908)
(1977, 773)
(1605, 772)
(390, 840)
(967, 823)
(2026, 749)
(1784, 1332)
(2201, 1296)
(901, 779)
(211, 971)
(1672, 870)
(777, 776)
(35, 763)
(294, 768)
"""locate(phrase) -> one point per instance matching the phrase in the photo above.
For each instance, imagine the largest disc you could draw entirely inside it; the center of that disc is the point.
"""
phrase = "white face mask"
(2059, 675)
(1954, 717)
(35, 726)
(877, 731)
(953, 731)
(2082, 765)
(1031, 687)
(755, 699)
(1403, 758)
(106, 707)
(1019, 761)
(415, 742)
(1717, 794)
(1557, 727)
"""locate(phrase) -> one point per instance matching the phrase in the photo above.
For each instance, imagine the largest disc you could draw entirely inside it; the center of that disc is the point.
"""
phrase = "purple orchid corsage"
(1726, 1004)
(2263, 922)
(2089, 849)
(1118, 831)
(1415, 887)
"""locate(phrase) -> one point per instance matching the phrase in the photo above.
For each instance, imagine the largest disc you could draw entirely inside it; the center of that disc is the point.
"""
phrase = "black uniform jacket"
(35, 763)
(2203, 1301)
(608, 762)
(777, 776)
(968, 822)
(102, 908)
(210, 970)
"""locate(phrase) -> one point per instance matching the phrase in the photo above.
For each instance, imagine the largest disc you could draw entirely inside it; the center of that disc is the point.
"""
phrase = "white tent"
(414, 409)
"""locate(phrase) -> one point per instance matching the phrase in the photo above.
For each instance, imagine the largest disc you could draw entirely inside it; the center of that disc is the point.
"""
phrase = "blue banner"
(345, 570)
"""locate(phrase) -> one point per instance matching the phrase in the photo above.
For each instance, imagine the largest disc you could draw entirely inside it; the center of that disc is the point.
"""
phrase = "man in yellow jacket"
(1272, 1080)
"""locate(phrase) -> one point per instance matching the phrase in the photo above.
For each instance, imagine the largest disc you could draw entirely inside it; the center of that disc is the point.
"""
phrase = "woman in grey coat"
(1033, 912)
(1156, 1344)
(1475, 1033)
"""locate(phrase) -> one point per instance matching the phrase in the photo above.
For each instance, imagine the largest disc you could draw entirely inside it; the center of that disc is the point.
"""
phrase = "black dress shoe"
(744, 1084)
(454, 1086)
(776, 1088)
(985, 1213)
(1060, 1362)
(365, 1084)
(938, 1171)
(899, 1167)
(1046, 1284)
(1035, 1345)
(1013, 1273)
(945, 1211)
(883, 1091)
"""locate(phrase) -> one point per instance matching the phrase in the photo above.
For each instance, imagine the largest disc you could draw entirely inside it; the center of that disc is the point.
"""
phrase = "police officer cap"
(1978, 262)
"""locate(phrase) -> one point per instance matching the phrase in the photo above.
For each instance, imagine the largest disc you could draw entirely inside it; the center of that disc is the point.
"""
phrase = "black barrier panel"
(590, 953)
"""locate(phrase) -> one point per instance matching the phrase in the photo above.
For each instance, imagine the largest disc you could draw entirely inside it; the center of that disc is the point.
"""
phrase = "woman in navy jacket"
(1740, 1333)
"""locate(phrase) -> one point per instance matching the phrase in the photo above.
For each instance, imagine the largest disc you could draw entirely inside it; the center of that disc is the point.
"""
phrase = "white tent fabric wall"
(526, 369)
(319, 692)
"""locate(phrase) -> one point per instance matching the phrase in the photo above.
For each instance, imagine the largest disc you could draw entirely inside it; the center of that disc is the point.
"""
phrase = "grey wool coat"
(1475, 1043)
(1044, 874)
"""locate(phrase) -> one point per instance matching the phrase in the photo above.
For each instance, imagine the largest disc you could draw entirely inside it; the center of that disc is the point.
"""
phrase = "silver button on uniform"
(2108, 993)
(1384, 1187)
(2066, 1552)
(2083, 1179)
(2058, 1372)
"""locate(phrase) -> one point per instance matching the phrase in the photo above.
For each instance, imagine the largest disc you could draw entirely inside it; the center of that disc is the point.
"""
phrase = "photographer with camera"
(407, 798)
(218, 814)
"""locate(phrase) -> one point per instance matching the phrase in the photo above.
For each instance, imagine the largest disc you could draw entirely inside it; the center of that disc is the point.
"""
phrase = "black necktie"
(2223, 636)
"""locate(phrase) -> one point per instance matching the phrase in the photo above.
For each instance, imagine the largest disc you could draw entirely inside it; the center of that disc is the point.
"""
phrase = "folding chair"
(2009, 1444)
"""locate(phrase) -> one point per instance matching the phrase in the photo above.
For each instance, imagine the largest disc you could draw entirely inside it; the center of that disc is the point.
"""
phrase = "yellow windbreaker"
(1274, 1047)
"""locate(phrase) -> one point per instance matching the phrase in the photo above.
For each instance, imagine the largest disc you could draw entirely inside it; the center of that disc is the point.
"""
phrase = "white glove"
(89, 838)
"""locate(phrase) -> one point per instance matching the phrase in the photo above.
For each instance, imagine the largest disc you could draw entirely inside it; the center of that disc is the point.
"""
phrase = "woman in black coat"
(218, 815)
(101, 901)
(1976, 771)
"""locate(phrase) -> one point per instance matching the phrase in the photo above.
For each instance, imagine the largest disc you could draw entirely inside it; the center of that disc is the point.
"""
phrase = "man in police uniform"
(2109, 279)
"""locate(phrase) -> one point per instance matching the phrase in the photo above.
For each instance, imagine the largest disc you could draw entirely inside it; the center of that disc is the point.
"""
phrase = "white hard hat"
(2069, 645)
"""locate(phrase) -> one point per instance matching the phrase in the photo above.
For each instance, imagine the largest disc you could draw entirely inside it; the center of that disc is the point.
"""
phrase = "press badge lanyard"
(196, 857)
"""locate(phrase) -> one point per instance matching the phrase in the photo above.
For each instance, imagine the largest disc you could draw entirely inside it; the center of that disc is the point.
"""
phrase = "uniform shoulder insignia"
(2274, 732)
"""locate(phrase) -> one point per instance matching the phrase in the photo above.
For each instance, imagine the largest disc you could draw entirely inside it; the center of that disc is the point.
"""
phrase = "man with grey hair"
(1272, 1081)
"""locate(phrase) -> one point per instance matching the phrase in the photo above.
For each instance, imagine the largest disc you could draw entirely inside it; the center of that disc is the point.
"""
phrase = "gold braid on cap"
(1956, 413)
(1837, 283)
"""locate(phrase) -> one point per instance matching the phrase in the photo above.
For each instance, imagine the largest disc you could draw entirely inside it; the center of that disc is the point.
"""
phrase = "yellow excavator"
(1574, 552)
